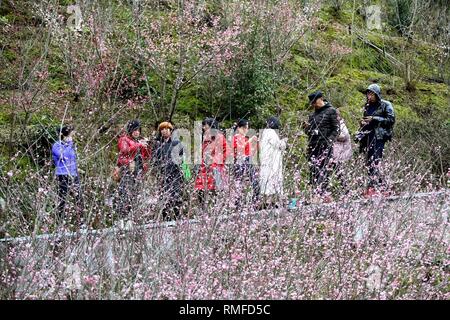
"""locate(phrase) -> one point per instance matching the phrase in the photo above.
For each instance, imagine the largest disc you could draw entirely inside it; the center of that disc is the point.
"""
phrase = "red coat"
(241, 146)
(214, 154)
(128, 148)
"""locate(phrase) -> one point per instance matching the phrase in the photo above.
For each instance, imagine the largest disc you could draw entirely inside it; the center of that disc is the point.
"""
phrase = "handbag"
(186, 171)
(116, 174)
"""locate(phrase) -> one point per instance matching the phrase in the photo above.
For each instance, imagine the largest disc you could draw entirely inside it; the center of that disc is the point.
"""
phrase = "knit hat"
(165, 125)
(314, 96)
(133, 125)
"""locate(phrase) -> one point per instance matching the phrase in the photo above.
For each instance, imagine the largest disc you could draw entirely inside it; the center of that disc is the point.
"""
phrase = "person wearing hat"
(322, 129)
(168, 155)
(375, 130)
(65, 159)
(132, 163)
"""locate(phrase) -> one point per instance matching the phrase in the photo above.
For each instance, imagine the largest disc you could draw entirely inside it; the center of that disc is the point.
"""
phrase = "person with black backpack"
(376, 129)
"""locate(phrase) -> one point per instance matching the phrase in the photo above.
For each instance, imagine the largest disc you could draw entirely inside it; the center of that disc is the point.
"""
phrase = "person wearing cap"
(65, 160)
(375, 130)
(322, 129)
(271, 161)
(211, 173)
(132, 163)
(168, 155)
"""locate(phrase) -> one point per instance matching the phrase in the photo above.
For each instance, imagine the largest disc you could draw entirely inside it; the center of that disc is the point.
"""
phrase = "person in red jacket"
(211, 174)
(243, 153)
(132, 162)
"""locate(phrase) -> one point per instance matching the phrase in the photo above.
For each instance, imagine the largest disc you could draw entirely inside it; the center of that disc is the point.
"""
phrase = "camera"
(360, 135)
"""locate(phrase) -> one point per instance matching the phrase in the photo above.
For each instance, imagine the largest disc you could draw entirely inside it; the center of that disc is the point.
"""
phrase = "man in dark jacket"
(322, 129)
(168, 159)
(376, 128)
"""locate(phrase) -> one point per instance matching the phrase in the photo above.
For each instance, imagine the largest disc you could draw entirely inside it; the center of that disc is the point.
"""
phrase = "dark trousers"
(203, 196)
(374, 151)
(319, 157)
(68, 183)
(245, 170)
(128, 191)
(172, 191)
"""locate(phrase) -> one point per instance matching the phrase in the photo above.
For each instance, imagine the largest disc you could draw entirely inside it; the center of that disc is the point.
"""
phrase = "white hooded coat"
(271, 158)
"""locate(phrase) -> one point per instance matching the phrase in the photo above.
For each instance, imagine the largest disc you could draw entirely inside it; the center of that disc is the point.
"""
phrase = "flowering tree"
(273, 29)
(178, 46)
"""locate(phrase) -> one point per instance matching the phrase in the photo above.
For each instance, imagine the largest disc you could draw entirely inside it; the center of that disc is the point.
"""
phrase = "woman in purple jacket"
(65, 159)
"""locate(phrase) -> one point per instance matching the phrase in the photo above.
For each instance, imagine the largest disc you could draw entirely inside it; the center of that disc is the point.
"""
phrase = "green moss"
(44, 118)
(405, 114)
(123, 15)
(57, 84)
(66, 2)
(300, 63)
(428, 101)
(366, 58)
(4, 20)
(5, 114)
(9, 55)
(57, 72)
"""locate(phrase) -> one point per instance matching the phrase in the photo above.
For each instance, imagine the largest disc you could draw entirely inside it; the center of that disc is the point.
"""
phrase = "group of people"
(329, 146)
(329, 141)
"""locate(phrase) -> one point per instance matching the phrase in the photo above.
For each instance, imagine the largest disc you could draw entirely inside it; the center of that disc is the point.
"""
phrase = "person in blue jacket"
(65, 159)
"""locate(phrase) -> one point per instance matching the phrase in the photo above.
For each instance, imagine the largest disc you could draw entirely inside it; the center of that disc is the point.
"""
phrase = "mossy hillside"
(345, 91)
(366, 65)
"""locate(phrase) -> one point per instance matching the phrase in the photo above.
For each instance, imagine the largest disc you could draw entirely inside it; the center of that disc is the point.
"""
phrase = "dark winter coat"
(383, 116)
(168, 157)
(323, 128)
(383, 120)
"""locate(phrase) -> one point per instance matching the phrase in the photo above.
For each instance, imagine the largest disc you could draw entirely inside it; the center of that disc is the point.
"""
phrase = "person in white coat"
(271, 159)
(342, 150)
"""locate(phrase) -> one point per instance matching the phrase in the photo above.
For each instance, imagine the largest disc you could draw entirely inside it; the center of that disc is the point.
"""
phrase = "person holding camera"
(376, 129)
(133, 154)
(322, 129)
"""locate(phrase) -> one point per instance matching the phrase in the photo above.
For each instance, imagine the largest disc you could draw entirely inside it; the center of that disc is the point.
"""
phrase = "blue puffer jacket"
(383, 117)
(65, 158)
